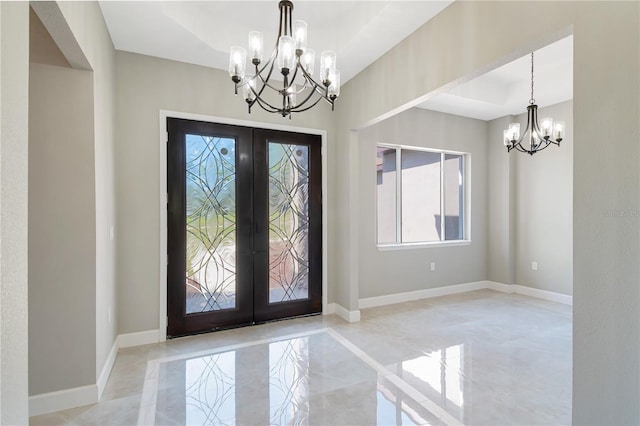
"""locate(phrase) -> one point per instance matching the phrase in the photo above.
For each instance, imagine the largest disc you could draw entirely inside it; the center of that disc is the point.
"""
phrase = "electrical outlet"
(433, 266)
(534, 266)
(111, 232)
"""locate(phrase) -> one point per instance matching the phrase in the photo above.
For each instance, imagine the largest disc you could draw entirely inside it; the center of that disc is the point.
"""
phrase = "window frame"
(466, 196)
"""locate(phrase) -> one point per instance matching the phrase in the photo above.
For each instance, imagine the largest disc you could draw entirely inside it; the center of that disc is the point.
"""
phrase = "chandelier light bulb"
(308, 60)
(334, 87)
(291, 96)
(507, 138)
(300, 35)
(286, 56)
(237, 63)
(547, 127)
(514, 131)
(559, 130)
(256, 44)
(327, 65)
(248, 90)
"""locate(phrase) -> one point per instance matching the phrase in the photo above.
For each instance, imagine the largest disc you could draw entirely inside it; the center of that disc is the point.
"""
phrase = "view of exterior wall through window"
(423, 203)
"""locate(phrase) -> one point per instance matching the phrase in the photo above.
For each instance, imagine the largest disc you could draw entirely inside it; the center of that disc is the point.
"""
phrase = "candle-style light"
(294, 61)
(535, 137)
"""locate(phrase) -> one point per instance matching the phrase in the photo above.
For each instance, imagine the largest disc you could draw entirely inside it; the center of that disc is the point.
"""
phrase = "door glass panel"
(288, 222)
(211, 223)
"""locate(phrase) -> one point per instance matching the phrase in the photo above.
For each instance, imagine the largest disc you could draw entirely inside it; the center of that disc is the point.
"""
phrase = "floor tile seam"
(147, 415)
(420, 398)
(149, 396)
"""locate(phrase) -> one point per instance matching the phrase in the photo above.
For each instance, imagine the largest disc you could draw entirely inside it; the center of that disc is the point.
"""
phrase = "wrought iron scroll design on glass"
(211, 224)
(288, 222)
(534, 138)
(299, 91)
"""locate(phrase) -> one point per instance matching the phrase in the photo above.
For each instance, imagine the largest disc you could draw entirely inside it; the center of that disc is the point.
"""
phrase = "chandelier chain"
(532, 100)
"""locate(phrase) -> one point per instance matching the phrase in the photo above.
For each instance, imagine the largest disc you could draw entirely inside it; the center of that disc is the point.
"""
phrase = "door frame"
(164, 138)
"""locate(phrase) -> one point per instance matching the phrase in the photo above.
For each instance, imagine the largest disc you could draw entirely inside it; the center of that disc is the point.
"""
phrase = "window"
(425, 201)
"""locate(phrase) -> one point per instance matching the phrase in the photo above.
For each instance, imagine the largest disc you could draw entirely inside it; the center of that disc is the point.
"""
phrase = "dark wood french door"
(244, 226)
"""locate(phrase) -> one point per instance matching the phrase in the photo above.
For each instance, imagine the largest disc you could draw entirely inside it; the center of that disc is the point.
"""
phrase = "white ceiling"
(507, 90)
(201, 33)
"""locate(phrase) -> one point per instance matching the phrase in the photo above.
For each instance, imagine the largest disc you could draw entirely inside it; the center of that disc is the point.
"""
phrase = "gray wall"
(544, 210)
(79, 31)
(531, 208)
(397, 271)
(606, 292)
(501, 217)
(42, 48)
(61, 229)
(464, 41)
(14, 122)
(90, 31)
(146, 85)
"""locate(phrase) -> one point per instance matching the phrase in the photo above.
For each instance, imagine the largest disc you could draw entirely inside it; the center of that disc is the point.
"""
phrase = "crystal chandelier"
(298, 91)
(534, 138)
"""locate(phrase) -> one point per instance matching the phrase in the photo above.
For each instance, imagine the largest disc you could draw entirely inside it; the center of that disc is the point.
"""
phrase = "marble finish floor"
(479, 358)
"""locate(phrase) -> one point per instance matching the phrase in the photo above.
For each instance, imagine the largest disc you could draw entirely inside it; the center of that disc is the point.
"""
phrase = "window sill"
(434, 244)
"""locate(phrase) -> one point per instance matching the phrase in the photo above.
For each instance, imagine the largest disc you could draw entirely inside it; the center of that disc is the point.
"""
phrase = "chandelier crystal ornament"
(291, 57)
(535, 137)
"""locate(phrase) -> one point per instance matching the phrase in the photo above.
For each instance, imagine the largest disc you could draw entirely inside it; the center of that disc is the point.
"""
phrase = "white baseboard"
(137, 339)
(503, 288)
(426, 293)
(106, 369)
(371, 302)
(62, 400)
(345, 314)
(84, 395)
(551, 296)
(544, 294)
(329, 309)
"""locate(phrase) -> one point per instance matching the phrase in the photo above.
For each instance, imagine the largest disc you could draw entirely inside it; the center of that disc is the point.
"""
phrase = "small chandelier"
(537, 138)
(298, 91)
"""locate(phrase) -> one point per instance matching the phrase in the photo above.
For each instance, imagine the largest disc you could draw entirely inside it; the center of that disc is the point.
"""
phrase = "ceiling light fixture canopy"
(298, 91)
(534, 138)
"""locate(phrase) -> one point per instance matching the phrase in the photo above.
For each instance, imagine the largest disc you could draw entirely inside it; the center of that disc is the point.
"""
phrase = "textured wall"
(606, 290)
(14, 92)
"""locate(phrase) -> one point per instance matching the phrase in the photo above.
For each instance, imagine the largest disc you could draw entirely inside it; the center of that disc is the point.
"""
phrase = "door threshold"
(248, 324)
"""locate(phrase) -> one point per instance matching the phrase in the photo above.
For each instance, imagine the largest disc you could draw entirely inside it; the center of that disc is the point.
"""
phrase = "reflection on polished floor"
(481, 358)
